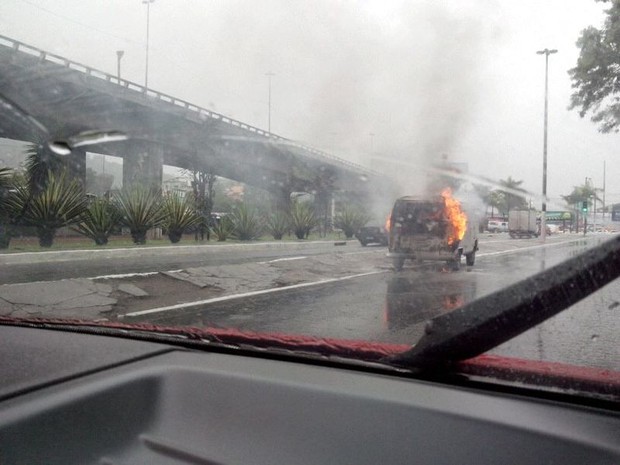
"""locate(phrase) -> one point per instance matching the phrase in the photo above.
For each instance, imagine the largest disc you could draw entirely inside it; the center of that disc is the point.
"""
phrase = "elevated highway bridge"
(46, 96)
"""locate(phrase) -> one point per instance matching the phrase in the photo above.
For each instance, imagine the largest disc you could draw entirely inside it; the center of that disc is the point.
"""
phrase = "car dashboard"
(72, 398)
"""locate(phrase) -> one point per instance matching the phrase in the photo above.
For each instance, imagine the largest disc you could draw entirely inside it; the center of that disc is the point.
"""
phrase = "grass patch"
(31, 244)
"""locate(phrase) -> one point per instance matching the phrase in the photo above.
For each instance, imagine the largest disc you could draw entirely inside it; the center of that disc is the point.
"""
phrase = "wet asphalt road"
(175, 257)
(392, 307)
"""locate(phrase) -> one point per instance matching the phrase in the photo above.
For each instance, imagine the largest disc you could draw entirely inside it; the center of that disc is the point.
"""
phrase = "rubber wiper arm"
(492, 320)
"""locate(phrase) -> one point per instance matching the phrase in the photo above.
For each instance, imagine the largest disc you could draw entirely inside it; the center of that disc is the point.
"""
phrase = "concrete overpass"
(68, 98)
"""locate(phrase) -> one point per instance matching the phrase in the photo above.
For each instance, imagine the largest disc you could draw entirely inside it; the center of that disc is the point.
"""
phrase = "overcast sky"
(425, 77)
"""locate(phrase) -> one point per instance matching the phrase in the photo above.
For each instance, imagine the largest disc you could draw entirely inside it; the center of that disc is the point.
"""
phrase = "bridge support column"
(281, 200)
(143, 164)
(76, 166)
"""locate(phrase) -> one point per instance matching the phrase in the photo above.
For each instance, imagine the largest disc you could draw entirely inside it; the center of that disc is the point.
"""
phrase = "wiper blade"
(492, 320)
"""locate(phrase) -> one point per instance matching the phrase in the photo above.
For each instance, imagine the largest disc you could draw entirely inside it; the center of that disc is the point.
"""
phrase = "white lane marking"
(245, 294)
(532, 247)
(284, 259)
(125, 275)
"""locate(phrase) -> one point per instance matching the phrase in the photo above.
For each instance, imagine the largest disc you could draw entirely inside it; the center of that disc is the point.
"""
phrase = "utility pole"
(604, 190)
(148, 17)
(543, 218)
(269, 75)
(119, 55)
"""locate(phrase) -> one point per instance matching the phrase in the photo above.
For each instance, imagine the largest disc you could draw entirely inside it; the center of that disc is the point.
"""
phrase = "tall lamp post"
(543, 218)
(119, 55)
(148, 16)
(269, 75)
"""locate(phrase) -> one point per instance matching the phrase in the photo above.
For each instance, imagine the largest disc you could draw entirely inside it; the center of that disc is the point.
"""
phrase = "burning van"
(431, 229)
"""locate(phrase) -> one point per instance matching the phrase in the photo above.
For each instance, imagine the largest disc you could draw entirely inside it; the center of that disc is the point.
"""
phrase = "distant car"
(553, 229)
(497, 226)
(372, 235)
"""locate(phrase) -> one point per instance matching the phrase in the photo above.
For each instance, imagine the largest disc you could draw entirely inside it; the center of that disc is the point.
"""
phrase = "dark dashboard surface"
(82, 399)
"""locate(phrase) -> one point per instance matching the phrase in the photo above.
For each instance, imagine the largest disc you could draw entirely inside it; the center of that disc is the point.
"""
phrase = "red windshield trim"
(537, 373)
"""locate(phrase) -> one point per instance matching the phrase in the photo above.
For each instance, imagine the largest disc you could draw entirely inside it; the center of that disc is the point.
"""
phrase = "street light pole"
(119, 55)
(148, 16)
(269, 75)
(543, 218)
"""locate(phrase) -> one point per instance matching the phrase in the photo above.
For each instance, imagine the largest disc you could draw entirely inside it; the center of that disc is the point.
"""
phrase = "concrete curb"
(56, 256)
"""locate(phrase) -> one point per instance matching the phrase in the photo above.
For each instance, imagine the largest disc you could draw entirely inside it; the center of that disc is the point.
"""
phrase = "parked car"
(372, 235)
(495, 226)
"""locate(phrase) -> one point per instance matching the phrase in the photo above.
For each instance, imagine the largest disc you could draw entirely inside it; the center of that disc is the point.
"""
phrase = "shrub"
(59, 203)
(278, 224)
(140, 209)
(302, 219)
(98, 221)
(223, 228)
(179, 215)
(247, 224)
(350, 219)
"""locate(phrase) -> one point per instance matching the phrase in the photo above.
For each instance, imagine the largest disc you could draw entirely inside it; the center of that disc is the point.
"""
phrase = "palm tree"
(40, 161)
(580, 194)
(497, 200)
(511, 189)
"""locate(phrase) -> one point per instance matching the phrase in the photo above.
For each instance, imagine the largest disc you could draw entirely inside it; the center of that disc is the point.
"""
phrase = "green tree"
(40, 162)
(6, 177)
(596, 77)
(497, 201)
(580, 194)
(511, 189)
(203, 189)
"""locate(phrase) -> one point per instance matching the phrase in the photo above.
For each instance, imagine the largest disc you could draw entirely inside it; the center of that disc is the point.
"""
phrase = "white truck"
(522, 223)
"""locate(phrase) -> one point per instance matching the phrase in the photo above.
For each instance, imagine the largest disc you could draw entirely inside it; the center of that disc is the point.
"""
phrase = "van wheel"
(398, 262)
(470, 258)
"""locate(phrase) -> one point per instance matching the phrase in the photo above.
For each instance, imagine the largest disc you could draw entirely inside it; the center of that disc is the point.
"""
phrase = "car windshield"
(391, 175)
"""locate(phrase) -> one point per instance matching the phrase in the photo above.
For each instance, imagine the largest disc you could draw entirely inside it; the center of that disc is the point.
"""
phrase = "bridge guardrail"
(61, 61)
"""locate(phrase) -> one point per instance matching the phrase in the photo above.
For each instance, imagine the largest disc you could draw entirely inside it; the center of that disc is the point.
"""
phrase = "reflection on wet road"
(393, 307)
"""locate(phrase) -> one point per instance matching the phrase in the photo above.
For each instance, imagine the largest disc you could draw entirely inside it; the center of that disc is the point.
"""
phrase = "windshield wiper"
(494, 319)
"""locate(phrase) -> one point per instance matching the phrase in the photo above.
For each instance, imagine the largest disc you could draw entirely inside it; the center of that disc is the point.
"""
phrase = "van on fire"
(431, 229)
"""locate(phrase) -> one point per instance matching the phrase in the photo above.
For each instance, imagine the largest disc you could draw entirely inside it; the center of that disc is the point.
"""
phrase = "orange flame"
(456, 217)
(452, 302)
(387, 222)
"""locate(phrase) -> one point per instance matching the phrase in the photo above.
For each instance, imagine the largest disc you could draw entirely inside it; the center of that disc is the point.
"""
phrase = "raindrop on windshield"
(59, 147)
